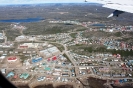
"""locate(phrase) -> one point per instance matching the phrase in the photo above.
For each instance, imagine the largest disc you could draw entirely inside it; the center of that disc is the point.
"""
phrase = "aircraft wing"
(125, 8)
(121, 5)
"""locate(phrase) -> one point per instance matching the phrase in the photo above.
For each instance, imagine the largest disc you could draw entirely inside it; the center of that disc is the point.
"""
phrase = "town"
(50, 58)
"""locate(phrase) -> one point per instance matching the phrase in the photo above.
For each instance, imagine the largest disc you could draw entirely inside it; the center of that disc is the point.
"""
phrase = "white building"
(3, 71)
(56, 74)
(2, 57)
(21, 38)
(82, 67)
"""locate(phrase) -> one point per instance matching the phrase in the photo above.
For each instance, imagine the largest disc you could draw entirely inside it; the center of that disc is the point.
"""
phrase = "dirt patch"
(51, 86)
(23, 86)
(96, 83)
(45, 86)
(125, 86)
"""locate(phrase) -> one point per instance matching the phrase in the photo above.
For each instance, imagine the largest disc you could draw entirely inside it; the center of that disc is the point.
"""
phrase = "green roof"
(47, 68)
(24, 75)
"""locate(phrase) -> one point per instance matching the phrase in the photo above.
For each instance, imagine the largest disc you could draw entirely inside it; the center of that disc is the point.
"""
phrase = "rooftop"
(12, 58)
(10, 74)
(24, 75)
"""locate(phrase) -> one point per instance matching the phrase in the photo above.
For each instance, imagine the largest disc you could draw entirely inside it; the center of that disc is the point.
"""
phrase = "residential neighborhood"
(36, 59)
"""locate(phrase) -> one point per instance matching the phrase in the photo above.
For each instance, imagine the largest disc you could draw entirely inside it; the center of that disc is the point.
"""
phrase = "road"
(4, 36)
(20, 70)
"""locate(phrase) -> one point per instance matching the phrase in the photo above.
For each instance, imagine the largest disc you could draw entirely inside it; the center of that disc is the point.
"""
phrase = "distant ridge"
(55, 4)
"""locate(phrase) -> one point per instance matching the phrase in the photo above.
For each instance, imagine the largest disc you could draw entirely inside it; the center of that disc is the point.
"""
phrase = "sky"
(10, 2)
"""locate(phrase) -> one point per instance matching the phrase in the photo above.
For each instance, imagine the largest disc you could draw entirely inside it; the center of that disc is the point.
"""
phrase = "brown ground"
(26, 86)
(51, 86)
(45, 86)
(96, 83)
(126, 86)
(93, 82)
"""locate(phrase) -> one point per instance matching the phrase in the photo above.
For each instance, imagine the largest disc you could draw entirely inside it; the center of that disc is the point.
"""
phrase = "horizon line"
(48, 3)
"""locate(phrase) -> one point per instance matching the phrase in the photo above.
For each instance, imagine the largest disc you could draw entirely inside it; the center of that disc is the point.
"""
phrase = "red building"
(23, 47)
(54, 58)
(48, 59)
(16, 76)
(12, 59)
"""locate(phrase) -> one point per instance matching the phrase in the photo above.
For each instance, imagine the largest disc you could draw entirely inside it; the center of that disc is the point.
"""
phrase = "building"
(21, 38)
(27, 45)
(82, 67)
(45, 53)
(3, 71)
(12, 59)
(16, 76)
(50, 52)
(65, 74)
(26, 63)
(23, 47)
(49, 59)
(56, 74)
(54, 58)
(2, 57)
(53, 50)
(24, 75)
(35, 60)
(10, 75)
(1, 36)
(57, 69)
(47, 69)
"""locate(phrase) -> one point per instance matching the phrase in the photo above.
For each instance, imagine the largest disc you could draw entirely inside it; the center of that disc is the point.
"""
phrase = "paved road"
(37, 74)
(22, 69)
(4, 36)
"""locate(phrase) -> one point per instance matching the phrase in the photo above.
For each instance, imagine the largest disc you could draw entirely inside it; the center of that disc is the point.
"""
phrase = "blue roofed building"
(131, 62)
(125, 80)
(121, 81)
(35, 60)
(1, 36)
(106, 43)
(128, 63)
(10, 74)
